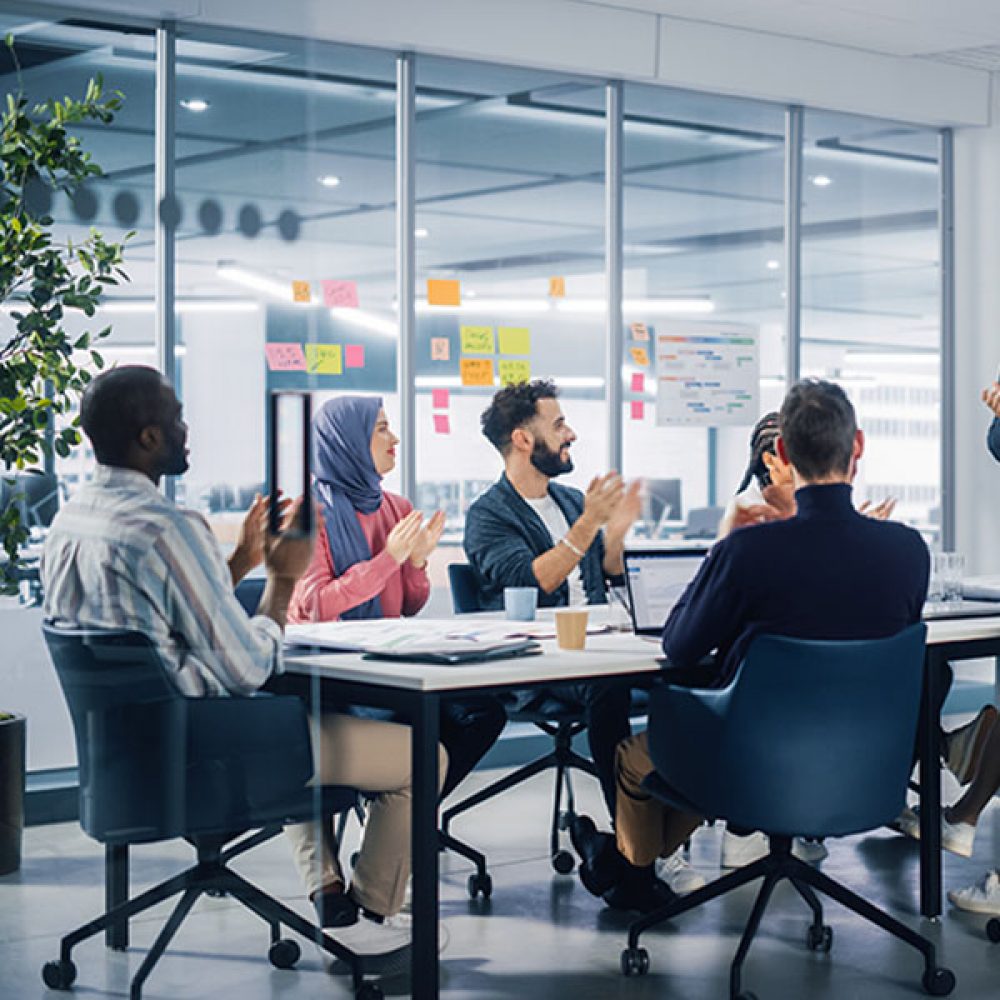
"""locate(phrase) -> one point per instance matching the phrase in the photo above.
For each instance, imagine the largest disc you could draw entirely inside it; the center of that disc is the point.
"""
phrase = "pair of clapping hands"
(760, 513)
(612, 504)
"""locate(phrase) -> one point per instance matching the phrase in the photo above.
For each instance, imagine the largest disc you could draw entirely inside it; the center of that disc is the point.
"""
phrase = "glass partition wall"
(286, 160)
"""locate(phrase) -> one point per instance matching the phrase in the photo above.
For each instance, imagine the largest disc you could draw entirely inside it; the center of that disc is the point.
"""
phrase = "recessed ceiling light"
(329, 180)
(421, 233)
(821, 181)
(196, 104)
(773, 265)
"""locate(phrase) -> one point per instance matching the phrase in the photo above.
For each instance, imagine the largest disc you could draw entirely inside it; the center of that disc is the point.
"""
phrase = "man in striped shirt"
(121, 555)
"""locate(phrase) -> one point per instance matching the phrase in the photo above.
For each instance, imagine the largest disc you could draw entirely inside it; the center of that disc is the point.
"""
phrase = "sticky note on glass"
(439, 399)
(639, 331)
(638, 409)
(638, 382)
(512, 372)
(440, 348)
(477, 340)
(354, 356)
(557, 288)
(301, 291)
(444, 292)
(340, 294)
(442, 425)
(285, 357)
(514, 339)
(476, 371)
(639, 357)
(324, 359)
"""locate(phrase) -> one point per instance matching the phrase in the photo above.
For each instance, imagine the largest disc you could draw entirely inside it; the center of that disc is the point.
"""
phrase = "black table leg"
(424, 960)
(116, 892)
(930, 788)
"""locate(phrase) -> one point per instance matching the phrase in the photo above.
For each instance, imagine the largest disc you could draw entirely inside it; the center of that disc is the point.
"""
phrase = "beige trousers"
(646, 828)
(373, 757)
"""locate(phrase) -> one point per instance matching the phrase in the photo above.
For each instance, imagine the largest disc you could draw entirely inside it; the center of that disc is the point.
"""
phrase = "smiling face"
(383, 445)
(552, 439)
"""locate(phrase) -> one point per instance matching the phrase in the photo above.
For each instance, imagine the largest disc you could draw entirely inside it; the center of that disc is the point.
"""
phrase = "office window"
(871, 296)
(60, 58)
(509, 219)
(703, 265)
(285, 176)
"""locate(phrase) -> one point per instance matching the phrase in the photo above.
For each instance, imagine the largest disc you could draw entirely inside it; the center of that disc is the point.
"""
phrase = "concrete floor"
(541, 935)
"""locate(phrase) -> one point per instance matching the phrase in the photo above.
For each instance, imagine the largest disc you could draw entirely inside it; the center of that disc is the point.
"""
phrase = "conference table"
(415, 691)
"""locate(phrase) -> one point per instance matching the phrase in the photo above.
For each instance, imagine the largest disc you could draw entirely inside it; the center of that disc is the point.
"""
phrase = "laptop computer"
(656, 578)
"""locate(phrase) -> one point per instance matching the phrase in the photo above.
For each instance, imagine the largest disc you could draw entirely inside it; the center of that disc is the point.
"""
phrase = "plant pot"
(12, 757)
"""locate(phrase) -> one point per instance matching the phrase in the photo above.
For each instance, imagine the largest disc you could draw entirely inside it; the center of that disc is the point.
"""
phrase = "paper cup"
(571, 628)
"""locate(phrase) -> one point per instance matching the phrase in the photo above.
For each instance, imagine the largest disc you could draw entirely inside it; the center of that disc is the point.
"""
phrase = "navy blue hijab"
(346, 482)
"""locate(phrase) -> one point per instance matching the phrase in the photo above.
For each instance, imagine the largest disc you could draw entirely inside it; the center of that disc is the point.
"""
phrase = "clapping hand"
(991, 397)
(602, 497)
(427, 539)
(627, 510)
(404, 536)
(880, 511)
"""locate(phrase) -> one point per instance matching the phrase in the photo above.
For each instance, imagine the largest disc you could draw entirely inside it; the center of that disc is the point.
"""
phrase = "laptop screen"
(656, 579)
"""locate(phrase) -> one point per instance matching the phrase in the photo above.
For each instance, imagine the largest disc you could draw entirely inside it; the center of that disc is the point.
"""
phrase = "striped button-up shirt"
(121, 555)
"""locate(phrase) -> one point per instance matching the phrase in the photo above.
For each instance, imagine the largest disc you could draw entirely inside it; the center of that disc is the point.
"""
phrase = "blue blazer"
(504, 536)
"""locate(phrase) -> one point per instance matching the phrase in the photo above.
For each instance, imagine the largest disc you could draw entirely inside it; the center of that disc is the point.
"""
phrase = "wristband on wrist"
(565, 541)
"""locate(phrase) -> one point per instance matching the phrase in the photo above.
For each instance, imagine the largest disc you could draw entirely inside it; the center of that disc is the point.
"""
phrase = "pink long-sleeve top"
(322, 594)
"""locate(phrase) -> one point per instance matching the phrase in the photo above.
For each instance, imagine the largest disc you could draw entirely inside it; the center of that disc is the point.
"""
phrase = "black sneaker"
(640, 892)
(600, 862)
(335, 909)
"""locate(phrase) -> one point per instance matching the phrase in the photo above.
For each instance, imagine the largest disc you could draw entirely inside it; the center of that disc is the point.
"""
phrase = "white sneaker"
(984, 897)
(955, 837)
(740, 851)
(810, 851)
(677, 872)
(373, 937)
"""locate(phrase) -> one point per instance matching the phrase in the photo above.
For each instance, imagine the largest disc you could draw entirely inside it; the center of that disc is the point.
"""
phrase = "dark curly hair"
(512, 407)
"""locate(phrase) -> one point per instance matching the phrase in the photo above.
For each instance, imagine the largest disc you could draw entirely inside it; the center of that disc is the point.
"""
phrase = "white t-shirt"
(554, 519)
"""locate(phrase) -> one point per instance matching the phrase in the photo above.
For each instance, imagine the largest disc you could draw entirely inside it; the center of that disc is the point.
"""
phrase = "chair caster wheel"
(480, 885)
(819, 938)
(59, 975)
(563, 862)
(369, 991)
(993, 930)
(635, 962)
(939, 982)
(284, 954)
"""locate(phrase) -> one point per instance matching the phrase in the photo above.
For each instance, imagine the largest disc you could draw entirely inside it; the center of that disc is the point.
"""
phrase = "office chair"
(562, 724)
(810, 738)
(223, 773)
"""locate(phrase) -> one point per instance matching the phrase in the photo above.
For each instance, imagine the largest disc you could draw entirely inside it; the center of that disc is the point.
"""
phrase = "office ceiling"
(963, 31)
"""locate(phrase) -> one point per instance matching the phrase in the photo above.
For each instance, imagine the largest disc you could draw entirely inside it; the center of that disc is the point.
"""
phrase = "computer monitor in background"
(661, 502)
(37, 495)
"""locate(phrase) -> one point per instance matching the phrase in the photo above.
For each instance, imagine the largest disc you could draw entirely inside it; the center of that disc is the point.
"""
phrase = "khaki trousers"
(373, 757)
(645, 827)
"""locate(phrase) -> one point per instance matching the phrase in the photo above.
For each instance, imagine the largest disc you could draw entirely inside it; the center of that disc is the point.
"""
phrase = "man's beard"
(548, 461)
(175, 462)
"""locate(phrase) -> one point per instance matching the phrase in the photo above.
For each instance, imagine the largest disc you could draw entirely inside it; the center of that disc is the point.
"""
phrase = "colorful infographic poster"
(707, 374)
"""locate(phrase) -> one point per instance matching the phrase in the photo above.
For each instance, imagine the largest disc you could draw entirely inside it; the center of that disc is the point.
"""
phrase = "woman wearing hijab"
(370, 558)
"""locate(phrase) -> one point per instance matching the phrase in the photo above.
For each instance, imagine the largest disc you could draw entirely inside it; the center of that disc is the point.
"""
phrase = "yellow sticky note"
(557, 288)
(639, 356)
(301, 291)
(444, 292)
(324, 359)
(512, 372)
(514, 339)
(477, 340)
(476, 371)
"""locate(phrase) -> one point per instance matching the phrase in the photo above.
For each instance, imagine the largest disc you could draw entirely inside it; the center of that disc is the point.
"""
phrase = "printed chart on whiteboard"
(707, 374)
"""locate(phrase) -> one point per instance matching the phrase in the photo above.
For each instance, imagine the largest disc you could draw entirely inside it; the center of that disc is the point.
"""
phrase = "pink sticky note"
(340, 294)
(440, 348)
(354, 355)
(439, 399)
(442, 425)
(638, 409)
(285, 357)
(638, 382)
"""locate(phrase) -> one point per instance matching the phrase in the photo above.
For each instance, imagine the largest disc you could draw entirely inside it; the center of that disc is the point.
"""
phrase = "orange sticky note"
(476, 371)
(639, 356)
(442, 425)
(439, 399)
(444, 292)
(301, 291)
(639, 331)
(638, 409)
(638, 382)
(354, 356)
(557, 288)
(440, 348)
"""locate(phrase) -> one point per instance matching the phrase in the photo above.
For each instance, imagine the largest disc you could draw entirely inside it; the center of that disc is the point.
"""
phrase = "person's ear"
(859, 445)
(522, 439)
(779, 447)
(150, 438)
